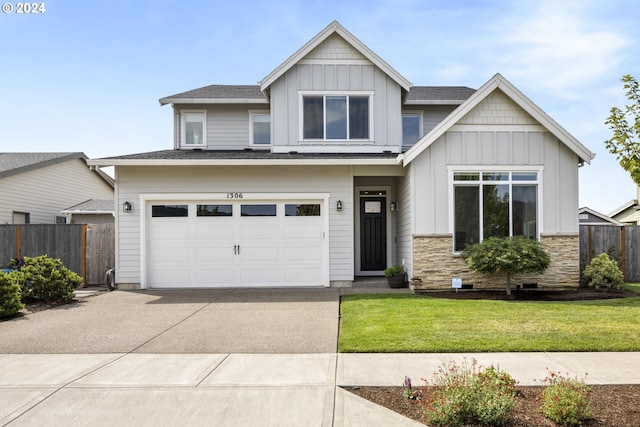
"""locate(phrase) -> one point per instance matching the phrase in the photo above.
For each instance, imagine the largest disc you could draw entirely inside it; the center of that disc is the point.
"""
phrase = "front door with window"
(373, 233)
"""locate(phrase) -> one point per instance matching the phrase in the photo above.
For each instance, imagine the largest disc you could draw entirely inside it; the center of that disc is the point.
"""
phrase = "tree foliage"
(625, 124)
(510, 256)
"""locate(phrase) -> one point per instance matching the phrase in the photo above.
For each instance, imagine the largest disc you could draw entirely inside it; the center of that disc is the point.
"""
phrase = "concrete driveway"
(250, 321)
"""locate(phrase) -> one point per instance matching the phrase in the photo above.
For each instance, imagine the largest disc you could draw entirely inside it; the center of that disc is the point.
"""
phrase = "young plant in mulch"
(465, 393)
(603, 273)
(565, 400)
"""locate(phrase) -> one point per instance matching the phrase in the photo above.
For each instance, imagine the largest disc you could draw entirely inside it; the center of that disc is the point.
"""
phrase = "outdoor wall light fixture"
(127, 207)
(393, 206)
(339, 205)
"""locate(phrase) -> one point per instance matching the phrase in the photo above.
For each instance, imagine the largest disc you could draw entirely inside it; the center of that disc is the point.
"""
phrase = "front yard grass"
(397, 323)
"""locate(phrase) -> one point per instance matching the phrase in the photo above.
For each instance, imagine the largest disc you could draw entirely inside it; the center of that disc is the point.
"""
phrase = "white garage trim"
(232, 197)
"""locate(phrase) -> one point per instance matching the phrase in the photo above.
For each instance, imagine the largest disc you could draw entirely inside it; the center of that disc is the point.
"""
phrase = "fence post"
(623, 251)
(18, 241)
(84, 255)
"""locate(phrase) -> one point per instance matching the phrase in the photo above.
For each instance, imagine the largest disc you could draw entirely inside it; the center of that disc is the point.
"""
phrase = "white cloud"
(559, 46)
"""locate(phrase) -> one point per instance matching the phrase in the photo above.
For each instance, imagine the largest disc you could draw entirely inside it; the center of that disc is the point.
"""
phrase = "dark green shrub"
(46, 279)
(10, 295)
(510, 256)
(603, 273)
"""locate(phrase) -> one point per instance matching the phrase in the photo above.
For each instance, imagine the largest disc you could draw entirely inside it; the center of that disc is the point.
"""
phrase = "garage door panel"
(171, 277)
(303, 276)
(213, 255)
(266, 231)
(262, 276)
(218, 231)
(301, 253)
(215, 277)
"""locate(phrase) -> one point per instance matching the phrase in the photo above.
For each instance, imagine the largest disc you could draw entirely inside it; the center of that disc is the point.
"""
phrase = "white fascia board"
(213, 101)
(246, 162)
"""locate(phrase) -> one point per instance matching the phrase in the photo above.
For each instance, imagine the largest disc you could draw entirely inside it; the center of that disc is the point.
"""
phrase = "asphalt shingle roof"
(14, 163)
(94, 205)
(246, 155)
(249, 92)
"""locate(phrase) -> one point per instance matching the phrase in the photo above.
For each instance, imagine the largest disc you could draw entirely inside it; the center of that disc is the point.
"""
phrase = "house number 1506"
(234, 195)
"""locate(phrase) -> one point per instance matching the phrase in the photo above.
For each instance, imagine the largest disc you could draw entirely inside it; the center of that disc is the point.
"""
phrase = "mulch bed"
(613, 405)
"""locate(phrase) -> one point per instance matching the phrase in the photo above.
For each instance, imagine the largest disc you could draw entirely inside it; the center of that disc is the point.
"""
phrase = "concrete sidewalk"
(247, 389)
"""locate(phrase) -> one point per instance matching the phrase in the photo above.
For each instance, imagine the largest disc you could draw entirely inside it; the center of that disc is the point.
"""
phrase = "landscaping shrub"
(565, 401)
(10, 295)
(463, 393)
(603, 273)
(510, 256)
(47, 280)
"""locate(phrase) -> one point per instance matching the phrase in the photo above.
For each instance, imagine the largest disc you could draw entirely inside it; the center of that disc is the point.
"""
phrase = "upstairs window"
(260, 128)
(335, 117)
(411, 128)
(193, 128)
(499, 204)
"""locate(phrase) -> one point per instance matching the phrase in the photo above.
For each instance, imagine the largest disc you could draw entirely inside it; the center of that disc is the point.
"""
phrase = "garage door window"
(302, 210)
(215, 210)
(169, 211)
(258, 210)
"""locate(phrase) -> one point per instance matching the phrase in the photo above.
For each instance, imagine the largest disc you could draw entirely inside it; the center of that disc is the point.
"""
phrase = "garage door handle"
(236, 249)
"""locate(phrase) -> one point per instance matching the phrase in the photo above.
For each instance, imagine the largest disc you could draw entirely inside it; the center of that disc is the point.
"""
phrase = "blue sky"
(87, 75)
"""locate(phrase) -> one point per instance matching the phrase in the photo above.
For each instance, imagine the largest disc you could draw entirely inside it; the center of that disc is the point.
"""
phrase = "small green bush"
(46, 279)
(603, 273)
(10, 296)
(565, 401)
(463, 394)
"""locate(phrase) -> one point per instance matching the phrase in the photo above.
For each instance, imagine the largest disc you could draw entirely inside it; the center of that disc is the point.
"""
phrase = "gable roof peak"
(333, 28)
(499, 82)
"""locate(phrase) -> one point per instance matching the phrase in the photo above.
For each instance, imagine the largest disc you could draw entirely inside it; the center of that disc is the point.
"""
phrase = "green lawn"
(417, 324)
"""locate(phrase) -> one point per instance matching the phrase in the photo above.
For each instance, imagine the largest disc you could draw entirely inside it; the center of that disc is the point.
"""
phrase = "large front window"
(499, 204)
(335, 117)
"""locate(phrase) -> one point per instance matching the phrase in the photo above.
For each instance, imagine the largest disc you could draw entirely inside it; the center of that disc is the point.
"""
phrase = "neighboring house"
(335, 167)
(629, 213)
(35, 187)
(588, 216)
(91, 212)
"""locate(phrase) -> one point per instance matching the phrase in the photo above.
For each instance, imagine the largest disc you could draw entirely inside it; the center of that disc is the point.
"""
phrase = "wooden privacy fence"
(621, 243)
(87, 249)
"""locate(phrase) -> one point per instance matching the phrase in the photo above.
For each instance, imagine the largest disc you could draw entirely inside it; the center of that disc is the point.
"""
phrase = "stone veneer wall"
(436, 265)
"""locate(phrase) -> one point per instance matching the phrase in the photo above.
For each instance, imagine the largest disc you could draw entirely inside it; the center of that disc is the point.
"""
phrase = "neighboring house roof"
(92, 206)
(602, 217)
(333, 28)
(223, 94)
(17, 163)
(499, 82)
(245, 157)
(620, 209)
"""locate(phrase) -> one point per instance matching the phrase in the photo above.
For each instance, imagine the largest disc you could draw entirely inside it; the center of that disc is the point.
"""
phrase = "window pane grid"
(491, 204)
(335, 117)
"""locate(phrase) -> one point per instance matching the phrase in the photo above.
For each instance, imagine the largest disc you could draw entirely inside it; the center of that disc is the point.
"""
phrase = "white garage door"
(235, 244)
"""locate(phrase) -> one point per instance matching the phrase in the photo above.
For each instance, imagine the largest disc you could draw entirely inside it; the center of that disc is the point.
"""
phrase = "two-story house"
(333, 167)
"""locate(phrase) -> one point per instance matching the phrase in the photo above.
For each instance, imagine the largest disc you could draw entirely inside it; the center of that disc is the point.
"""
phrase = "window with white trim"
(193, 128)
(497, 204)
(336, 117)
(260, 128)
(411, 128)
